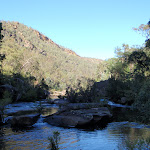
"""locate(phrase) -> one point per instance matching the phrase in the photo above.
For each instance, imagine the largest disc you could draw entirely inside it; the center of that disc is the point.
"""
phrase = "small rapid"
(114, 104)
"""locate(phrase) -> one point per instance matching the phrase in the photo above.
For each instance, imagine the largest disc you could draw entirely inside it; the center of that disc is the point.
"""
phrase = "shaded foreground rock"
(24, 120)
(1, 120)
(80, 118)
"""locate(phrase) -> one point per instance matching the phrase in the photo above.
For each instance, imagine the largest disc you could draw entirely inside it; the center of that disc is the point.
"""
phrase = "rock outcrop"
(24, 120)
(80, 118)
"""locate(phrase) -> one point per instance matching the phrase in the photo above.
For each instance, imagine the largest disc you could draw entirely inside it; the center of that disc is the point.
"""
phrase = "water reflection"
(106, 139)
(110, 138)
(49, 111)
(134, 136)
(2, 140)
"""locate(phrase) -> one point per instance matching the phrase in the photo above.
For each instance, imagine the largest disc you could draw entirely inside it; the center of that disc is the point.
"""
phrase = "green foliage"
(32, 64)
(102, 71)
(140, 60)
(31, 95)
(82, 94)
(142, 101)
(7, 98)
(136, 144)
(147, 43)
(29, 52)
(0, 33)
(130, 75)
(2, 56)
(144, 29)
(116, 89)
(23, 88)
(54, 141)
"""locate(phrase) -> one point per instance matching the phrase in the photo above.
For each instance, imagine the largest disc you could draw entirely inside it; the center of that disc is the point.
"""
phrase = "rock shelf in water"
(81, 117)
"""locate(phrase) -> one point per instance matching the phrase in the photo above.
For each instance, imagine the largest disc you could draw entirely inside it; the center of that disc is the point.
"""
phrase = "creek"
(111, 137)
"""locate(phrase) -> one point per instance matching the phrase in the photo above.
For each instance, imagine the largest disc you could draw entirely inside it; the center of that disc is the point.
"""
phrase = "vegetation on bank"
(54, 141)
(135, 144)
(15, 86)
(129, 77)
(82, 94)
(31, 65)
(30, 53)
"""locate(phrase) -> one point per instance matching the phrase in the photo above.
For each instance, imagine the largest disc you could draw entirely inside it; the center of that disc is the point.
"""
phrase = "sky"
(91, 28)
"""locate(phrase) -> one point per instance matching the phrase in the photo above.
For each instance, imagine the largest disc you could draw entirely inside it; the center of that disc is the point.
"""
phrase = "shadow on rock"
(24, 121)
(81, 118)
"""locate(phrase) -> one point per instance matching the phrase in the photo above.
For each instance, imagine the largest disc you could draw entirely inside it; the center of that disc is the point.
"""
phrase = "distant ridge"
(58, 65)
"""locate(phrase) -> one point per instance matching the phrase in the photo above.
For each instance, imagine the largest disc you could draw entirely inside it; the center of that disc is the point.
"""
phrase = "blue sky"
(91, 28)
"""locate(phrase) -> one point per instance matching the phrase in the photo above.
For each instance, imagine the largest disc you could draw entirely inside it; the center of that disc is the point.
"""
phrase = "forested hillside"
(30, 53)
(31, 64)
(130, 74)
(129, 81)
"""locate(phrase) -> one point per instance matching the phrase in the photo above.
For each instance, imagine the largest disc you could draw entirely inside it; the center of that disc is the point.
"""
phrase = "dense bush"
(29, 52)
(130, 75)
(54, 141)
(23, 88)
(142, 101)
(80, 94)
(135, 144)
(32, 64)
(116, 89)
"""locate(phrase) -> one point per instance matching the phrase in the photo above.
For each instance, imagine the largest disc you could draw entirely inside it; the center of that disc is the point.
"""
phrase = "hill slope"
(30, 53)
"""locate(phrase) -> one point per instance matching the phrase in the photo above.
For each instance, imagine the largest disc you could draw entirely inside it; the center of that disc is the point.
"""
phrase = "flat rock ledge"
(80, 117)
(24, 120)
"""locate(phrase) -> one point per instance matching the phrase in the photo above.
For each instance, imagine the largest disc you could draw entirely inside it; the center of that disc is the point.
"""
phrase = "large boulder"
(24, 120)
(80, 117)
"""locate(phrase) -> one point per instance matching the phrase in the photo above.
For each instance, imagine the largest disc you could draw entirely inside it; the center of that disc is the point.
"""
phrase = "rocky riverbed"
(111, 136)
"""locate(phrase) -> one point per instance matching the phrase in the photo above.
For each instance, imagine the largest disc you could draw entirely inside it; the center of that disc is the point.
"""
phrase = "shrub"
(81, 94)
(29, 95)
(54, 141)
(137, 144)
(7, 98)
(116, 89)
(142, 101)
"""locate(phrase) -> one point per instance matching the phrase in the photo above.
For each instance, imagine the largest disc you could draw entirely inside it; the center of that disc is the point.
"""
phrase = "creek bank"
(80, 115)
(58, 101)
(65, 114)
(85, 114)
(25, 114)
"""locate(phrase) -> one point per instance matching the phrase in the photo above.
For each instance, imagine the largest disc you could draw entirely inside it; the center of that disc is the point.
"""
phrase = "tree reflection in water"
(2, 143)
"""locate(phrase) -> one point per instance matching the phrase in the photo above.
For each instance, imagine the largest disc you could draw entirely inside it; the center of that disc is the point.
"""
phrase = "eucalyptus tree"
(144, 29)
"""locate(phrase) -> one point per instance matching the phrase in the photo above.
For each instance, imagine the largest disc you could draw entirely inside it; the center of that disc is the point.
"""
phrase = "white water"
(114, 104)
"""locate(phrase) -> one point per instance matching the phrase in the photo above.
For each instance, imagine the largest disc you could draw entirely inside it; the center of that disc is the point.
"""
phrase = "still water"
(36, 138)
